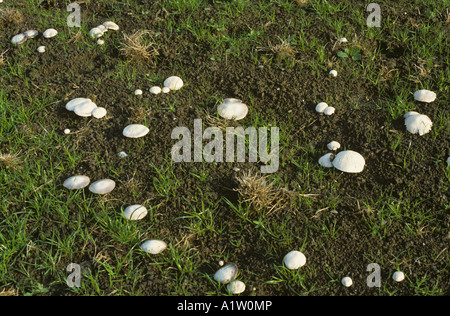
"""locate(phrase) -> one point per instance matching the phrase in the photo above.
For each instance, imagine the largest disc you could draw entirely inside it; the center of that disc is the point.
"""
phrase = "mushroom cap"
(418, 124)
(99, 112)
(425, 96)
(346, 281)
(411, 113)
(95, 33)
(19, 39)
(349, 161)
(138, 92)
(236, 287)
(102, 186)
(154, 246)
(41, 49)
(398, 276)
(226, 274)
(135, 212)
(85, 109)
(135, 131)
(325, 161)
(329, 110)
(334, 145)
(155, 90)
(173, 83)
(343, 40)
(333, 73)
(76, 182)
(31, 33)
(111, 26)
(50, 33)
(294, 260)
(232, 109)
(321, 106)
(70, 106)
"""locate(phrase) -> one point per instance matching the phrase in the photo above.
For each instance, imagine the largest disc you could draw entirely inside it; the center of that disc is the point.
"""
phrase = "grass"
(44, 228)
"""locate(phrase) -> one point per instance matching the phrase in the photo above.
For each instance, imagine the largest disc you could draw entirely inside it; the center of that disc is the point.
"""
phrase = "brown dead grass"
(283, 50)
(11, 17)
(139, 47)
(9, 161)
(2, 59)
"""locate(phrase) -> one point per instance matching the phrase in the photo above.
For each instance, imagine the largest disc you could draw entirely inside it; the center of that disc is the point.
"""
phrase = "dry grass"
(139, 47)
(263, 194)
(11, 17)
(302, 2)
(2, 59)
(283, 50)
(8, 161)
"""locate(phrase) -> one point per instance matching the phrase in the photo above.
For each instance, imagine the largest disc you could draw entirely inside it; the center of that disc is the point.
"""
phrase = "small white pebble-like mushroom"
(31, 33)
(221, 263)
(49, 33)
(236, 287)
(347, 281)
(111, 26)
(103, 186)
(155, 90)
(135, 131)
(333, 73)
(19, 39)
(95, 33)
(349, 161)
(294, 260)
(67, 131)
(232, 109)
(165, 90)
(226, 274)
(100, 41)
(418, 124)
(321, 106)
(329, 110)
(325, 161)
(85, 109)
(334, 145)
(425, 96)
(173, 83)
(135, 212)
(102, 28)
(70, 106)
(138, 92)
(343, 40)
(99, 112)
(76, 182)
(154, 246)
(122, 154)
(41, 49)
(398, 276)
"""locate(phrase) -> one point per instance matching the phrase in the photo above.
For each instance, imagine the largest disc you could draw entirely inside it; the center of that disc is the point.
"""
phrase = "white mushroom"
(343, 40)
(155, 90)
(70, 106)
(398, 276)
(49, 33)
(122, 154)
(165, 90)
(154, 246)
(19, 39)
(329, 110)
(111, 26)
(349, 161)
(95, 33)
(102, 28)
(67, 131)
(425, 96)
(173, 83)
(99, 112)
(325, 161)
(320, 107)
(84, 109)
(135, 212)
(294, 260)
(411, 113)
(334, 145)
(347, 281)
(135, 131)
(138, 92)
(236, 287)
(31, 33)
(103, 186)
(418, 124)
(76, 182)
(232, 109)
(100, 41)
(41, 49)
(226, 274)
(333, 73)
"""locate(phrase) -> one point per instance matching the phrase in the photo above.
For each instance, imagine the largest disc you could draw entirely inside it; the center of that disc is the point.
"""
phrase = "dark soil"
(277, 91)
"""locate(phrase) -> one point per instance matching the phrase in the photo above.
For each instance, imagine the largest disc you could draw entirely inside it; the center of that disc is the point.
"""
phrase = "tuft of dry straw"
(139, 47)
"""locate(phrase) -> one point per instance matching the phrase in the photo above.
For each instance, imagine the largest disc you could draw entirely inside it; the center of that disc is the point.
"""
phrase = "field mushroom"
(333, 73)
(329, 110)
(236, 287)
(321, 106)
(135, 212)
(85, 109)
(95, 33)
(417, 123)
(154, 246)
(232, 109)
(103, 186)
(294, 260)
(347, 281)
(155, 90)
(135, 131)
(19, 39)
(173, 83)
(31, 33)
(99, 112)
(425, 96)
(398, 276)
(349, 161)
(49, 33)
(109, 25)
(226, 274)
(334, 145)
(76, 182)
(325, 161)
(41, 49)
(70, 106)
